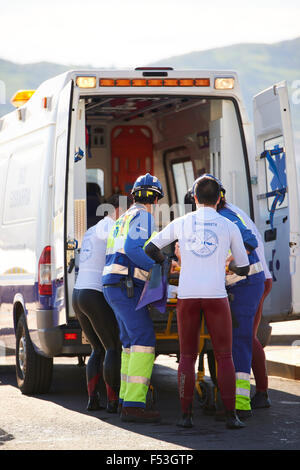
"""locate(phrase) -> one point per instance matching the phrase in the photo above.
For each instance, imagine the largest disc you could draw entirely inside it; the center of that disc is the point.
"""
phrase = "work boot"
(244, 414)
(186, 421)
(94, 403)
(232, 421)
(112, 406)
(135, 414)
(260, 400)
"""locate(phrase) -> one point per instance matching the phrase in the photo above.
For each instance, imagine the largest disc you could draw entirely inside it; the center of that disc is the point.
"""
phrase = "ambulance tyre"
(33, 371)
(264, 332)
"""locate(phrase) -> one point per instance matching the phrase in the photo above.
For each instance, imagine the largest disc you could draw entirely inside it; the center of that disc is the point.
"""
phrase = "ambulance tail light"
(44, 272)
(21, 97)
(86, 82)
(224, 83)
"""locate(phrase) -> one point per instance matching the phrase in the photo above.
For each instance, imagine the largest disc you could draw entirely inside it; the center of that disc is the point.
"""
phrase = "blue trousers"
(136, 326)
(246, 298)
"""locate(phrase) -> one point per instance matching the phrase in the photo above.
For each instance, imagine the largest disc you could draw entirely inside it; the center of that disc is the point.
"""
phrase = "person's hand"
(175, 267)
(177, 253)
(228, 261)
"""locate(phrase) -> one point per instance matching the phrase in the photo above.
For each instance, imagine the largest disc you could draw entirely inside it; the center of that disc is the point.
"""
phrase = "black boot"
(260, 400)
(94, 403)
(112, 406)
(186, 421)
(232, 421)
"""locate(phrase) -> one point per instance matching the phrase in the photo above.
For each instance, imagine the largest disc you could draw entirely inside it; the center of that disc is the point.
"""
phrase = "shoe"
(244, 414)
(232, 421)
(135, 414)
(186, 421)
(260, 400)
(112, 406)
(94, 403)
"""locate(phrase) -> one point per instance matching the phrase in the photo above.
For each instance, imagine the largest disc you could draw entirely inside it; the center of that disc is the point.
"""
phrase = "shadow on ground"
(275, 428)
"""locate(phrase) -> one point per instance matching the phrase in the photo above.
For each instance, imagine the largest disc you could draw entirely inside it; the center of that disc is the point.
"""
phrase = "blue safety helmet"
(148, 185)
(209, 177)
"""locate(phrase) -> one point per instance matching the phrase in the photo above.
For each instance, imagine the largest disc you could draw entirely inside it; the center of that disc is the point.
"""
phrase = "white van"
(85, 133)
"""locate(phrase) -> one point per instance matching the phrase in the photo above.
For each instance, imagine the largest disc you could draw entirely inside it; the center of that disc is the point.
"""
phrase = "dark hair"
(208, 191)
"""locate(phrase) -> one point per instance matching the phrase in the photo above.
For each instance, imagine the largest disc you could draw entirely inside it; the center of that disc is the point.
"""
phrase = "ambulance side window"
(183, 174)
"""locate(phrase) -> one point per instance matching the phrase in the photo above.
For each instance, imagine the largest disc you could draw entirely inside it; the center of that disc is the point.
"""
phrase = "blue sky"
(127, 33)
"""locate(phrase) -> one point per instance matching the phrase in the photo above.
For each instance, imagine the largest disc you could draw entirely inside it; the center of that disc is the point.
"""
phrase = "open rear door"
(278, 205)
(59, 200)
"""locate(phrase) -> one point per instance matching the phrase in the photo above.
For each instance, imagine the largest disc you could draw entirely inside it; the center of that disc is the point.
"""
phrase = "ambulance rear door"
(277, 214)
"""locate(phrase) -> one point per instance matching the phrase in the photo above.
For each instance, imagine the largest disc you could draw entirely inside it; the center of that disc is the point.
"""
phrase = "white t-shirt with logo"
(92, 255)
(205, 238)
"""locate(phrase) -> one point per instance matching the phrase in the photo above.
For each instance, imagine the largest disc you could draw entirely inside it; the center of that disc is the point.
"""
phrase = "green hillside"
(258, 66)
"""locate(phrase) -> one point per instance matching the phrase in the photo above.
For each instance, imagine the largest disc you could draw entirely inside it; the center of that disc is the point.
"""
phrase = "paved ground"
(59, 420)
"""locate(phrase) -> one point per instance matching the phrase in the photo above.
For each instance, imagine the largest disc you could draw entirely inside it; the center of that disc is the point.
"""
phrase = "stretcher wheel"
(151, 398)
(206, 395)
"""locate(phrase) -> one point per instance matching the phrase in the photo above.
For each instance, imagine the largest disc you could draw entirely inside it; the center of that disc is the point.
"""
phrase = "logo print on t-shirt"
(203, 243)
(86, 250)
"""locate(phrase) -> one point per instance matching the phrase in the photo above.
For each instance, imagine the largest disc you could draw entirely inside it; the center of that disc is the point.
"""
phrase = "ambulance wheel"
(34, 372)
(264, 332)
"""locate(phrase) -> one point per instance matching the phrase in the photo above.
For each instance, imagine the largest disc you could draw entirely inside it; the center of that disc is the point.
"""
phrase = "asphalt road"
(59, 420)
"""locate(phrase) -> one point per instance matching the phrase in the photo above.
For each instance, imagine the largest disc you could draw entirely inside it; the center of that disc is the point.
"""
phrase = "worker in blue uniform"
(124, 275)
(245, 293)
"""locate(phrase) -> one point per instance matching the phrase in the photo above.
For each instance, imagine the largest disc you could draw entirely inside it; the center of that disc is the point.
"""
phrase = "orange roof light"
(155, 82)
(21, 97)
(171, 82)
(86, 82)
(139, 82)
(107, 82)
(123, 82)
(202, 82)
(186, 82)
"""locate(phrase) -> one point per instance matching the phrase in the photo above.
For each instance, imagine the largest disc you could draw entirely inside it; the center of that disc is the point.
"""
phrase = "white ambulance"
(84, 135)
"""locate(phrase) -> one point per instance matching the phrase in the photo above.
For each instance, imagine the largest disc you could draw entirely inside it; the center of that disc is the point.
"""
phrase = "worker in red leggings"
(205, 239)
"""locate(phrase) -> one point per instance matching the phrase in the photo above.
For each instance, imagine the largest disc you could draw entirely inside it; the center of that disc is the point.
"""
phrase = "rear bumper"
(62, 340)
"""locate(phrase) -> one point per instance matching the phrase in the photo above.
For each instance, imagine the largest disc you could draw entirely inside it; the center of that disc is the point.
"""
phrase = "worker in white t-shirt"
(95, 316)
(205, 239)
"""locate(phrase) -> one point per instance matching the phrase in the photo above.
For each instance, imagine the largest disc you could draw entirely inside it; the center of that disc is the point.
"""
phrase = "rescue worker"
(95, 316)
(246, 293)
(126, 270)
(204, 238)
(261, 398)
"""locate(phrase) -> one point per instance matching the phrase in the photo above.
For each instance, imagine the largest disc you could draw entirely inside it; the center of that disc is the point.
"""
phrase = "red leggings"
(258, 354)
(219, 325)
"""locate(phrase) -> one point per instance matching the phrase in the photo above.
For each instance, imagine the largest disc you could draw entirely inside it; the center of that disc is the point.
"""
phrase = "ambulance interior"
(174, 138)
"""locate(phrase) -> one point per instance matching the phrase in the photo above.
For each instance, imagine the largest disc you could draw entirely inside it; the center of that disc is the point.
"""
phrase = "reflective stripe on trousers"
(138, 375)
(242, 397)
